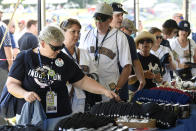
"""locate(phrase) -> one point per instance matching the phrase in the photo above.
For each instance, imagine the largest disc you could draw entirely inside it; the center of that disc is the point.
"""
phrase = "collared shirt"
(160, 53)
(107, 63)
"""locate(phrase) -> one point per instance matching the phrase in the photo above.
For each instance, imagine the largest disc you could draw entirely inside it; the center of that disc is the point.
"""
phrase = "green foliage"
(111, 1)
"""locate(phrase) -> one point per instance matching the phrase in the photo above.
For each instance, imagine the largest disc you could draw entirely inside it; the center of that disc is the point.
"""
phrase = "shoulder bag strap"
(189, 49)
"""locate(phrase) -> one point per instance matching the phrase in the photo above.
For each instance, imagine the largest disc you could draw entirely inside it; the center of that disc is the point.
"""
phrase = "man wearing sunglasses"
(125, 25)
(178, 17)
(108, 48)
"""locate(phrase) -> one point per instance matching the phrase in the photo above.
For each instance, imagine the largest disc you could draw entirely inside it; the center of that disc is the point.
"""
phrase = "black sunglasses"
(159, 37)
(147, 41)
(100, 19)
(56, 48)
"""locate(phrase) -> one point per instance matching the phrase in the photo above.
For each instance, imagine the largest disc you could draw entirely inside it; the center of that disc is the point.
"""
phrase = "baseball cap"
(117, 8)
(128, 24)
(104, 9)
(170, 24)
(184, 25)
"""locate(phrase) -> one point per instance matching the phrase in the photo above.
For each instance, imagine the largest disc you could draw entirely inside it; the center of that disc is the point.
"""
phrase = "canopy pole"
(43, 13)
(136, 13)
(39, 15)
(186, 8)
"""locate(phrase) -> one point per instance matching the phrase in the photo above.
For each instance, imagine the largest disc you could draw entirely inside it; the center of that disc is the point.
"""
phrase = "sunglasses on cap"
(63, 24)
(143, 40)
(159, 37)
(56, 48)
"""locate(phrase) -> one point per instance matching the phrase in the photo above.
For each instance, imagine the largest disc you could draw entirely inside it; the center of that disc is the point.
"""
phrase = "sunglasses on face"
(100, 18)
(56, 48)
(181, 17)
(147, 41)
(159, 37)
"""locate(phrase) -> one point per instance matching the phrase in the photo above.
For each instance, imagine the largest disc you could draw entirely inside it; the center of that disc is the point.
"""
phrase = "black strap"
(39, 57)
(97, 48)
(189, 49)
(118, 61)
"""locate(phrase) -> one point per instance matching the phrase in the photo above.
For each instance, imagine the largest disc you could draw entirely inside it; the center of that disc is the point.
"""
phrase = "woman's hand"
(183, 65)
(31, 96)
(111, 94)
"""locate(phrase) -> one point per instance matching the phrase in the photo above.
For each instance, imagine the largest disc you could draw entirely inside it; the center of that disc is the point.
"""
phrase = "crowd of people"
(59, 66)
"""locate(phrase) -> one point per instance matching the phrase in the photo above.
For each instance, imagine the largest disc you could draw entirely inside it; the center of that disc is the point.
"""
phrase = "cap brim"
(117, 12)
(187, 30)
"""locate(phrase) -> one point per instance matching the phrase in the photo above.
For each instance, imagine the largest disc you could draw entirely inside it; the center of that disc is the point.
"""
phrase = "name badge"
(51, 102)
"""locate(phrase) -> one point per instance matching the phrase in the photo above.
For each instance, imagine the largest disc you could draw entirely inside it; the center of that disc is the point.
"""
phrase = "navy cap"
(184, 25)
(117, 7)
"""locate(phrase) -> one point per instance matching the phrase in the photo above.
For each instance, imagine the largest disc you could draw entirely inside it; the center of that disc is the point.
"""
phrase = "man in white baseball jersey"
(109, 48)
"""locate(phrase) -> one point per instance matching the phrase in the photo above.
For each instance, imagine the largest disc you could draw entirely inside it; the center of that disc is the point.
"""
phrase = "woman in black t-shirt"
(42, 73)
(150, 63)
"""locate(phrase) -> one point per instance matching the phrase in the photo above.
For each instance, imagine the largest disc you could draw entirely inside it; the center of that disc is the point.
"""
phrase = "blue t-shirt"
(13, 41)
(6, 43)
(28, 41)
(26, 68)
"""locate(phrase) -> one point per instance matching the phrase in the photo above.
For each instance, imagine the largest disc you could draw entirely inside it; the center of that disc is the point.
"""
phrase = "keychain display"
(88, 122)
(164, 118)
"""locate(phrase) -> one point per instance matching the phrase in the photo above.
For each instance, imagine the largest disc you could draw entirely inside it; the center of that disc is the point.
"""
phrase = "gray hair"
(51, 33)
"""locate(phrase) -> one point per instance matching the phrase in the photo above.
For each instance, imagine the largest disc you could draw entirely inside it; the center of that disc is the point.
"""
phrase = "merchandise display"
(164, 118)
(136, 123)
(88, 122)
(162, 96)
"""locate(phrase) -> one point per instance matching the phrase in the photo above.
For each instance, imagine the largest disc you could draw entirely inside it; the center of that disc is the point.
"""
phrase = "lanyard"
(97, 48)
(39, 57)
(43, 73)
(75, 60)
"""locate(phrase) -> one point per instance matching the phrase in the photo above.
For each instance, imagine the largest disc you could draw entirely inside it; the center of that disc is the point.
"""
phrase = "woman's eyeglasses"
(56, 48)
(143, 40)
(159, 37)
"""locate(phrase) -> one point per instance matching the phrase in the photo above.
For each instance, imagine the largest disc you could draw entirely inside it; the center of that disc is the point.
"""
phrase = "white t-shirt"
(183, 53)
(106, 64)
(160, 53)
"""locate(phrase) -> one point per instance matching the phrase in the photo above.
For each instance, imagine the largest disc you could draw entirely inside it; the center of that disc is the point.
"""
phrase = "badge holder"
(51, 102)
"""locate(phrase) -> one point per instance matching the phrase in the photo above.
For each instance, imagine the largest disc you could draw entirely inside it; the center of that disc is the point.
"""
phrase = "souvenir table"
(185, 124)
